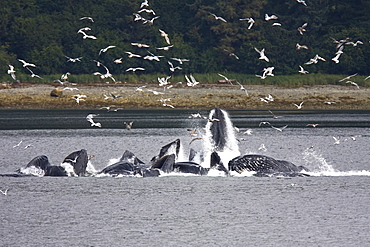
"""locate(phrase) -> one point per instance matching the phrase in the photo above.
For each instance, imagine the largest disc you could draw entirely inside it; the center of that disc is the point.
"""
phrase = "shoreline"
(203, 96)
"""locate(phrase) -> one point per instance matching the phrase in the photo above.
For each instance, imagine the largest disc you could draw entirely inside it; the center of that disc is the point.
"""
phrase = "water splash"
(315, 162)
(319, 167)
(32, 170)
(229, 150)
(69, 169)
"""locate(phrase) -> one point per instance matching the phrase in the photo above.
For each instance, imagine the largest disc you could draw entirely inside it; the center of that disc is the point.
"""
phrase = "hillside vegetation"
(45, 33)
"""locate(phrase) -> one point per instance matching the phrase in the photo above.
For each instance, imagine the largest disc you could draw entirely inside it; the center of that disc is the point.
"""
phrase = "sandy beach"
(203, 96)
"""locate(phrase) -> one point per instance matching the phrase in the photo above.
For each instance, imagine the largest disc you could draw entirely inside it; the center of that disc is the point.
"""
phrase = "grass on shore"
(280, 80)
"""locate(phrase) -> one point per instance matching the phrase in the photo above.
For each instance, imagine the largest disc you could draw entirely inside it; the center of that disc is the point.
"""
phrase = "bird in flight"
(90, 117)
(17, 145)
(353, 83)
(302, 2)
(165, 36)
(5, 193)
(280, 128)
(33, 74)
(302, 29)
(262, 54)
(251, 21)
(11, 72)
(106, 49)
(79, 97)
(298, 46)
(134, 69)
(302, 71)
(346, 78)
(25, 64)
(86, 36)
(128, 125)
(299, 106)
(73, 60)
(144, 4)
(140, 45)
(271, 17)
(218, 17)
(87, 18)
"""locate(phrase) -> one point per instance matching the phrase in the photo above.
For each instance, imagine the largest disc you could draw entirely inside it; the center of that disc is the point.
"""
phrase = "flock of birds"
(147, 17)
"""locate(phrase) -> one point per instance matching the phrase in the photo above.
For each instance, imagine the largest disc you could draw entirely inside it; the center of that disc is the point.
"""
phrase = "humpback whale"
(40, 165)
(78, 160)
(260, 164)
(167, 164)
(221, 154)
(129, 165)
(264, 166)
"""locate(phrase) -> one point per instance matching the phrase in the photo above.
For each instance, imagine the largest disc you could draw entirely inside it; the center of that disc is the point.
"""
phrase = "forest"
(215, 36)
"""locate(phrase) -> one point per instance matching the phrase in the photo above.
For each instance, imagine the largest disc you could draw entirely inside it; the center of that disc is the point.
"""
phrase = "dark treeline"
(43, 32)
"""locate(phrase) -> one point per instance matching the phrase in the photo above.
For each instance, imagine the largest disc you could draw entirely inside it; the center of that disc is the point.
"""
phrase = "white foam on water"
(90, 169)
(318, 166)
(69, 169)
(231, 149)
(32, 170)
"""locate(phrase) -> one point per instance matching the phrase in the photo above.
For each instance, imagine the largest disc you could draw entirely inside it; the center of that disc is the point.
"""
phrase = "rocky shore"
(203, 96)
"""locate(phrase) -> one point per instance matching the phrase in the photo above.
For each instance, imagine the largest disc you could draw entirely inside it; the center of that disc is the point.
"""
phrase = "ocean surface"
(329, 208)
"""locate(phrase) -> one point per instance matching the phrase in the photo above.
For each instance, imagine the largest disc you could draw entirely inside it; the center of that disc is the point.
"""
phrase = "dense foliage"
(43, 32)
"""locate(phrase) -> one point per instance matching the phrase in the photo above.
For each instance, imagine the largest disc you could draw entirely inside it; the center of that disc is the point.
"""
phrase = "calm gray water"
(330, 208)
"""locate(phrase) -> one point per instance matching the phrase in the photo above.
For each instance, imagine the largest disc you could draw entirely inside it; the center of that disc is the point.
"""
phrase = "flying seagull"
(73, 60)
(165, 36)
(87, 18)
(90, 119)
(262, 54)
(272, 17)
(25, 64)
(218, 17)
(302, 71)
(251, 21)
(11, 72)
(346, 78)
(298, 106)
(106, 49)
(302, 29)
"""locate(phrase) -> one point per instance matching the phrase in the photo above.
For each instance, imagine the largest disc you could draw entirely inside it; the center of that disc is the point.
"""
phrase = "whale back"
(254, 163)
(264, 165)
(55, 171)
(121, 168)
